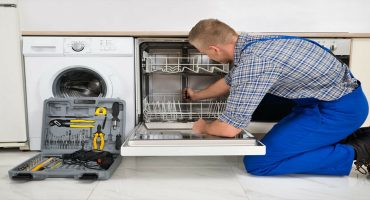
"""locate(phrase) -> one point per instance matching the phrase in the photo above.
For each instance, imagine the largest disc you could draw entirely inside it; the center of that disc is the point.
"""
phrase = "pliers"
(98, 134)
(72, 123)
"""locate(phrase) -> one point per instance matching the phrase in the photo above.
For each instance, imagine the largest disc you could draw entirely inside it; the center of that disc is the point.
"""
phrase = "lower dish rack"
(172, 108)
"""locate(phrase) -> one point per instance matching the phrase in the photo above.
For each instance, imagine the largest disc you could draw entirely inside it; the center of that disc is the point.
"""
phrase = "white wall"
(181, 15)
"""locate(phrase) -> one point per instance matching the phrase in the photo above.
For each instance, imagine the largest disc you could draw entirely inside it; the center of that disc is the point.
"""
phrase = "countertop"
(184, 34)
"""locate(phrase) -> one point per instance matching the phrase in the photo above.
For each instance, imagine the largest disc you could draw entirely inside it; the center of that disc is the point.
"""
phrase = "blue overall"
(307, 141)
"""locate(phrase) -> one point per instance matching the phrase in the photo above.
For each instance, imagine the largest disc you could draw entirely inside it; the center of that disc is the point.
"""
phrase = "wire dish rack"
(196, 64)
(172, 108)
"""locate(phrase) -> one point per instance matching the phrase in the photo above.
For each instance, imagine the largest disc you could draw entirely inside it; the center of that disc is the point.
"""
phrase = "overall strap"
(286, 37)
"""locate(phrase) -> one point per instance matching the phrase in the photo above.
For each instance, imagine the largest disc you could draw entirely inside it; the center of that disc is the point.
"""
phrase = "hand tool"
(47, 138)
(101, 111)
(69, 137)
(99, 160)
(39, 166)
(57, 164)
(118, 142)
(82, 140)
(50, 138)
(115, 112)
(110, 138)
(72, 123)
(98, 134)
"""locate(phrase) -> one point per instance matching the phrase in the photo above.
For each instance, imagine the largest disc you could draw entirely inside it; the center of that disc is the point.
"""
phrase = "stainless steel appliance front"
(164, 67)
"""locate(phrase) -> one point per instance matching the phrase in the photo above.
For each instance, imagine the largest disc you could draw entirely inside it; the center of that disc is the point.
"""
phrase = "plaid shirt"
(290, 68)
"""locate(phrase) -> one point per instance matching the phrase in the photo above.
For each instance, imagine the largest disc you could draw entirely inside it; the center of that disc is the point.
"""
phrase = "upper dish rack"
(175, 64)
(170, 107)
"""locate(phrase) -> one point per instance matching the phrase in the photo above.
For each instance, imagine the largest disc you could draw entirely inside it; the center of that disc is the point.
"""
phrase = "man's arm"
(252, 80)
(219, 88)
(216, 127)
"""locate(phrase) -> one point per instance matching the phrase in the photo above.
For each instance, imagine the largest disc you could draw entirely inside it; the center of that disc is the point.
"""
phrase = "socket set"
(81, 139)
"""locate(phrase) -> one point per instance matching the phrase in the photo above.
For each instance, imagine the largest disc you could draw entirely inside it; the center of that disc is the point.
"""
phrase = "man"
(330, 104)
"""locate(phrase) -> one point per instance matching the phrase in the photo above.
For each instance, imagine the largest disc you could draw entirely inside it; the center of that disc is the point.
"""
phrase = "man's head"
(214, 38)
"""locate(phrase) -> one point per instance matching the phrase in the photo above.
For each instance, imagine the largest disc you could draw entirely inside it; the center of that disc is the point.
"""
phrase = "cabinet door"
(13, 114)
(360, 65)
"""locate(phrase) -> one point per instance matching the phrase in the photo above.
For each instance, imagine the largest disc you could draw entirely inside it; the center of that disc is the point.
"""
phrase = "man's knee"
(256, 165)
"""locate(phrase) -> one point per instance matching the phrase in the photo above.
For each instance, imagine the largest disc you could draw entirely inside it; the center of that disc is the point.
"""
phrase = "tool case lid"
(61, 140)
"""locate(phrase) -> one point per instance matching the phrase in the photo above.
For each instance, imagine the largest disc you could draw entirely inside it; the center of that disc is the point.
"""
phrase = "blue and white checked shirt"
(290, 68)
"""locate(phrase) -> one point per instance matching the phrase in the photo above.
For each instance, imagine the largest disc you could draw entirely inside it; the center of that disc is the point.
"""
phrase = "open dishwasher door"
(182, 142)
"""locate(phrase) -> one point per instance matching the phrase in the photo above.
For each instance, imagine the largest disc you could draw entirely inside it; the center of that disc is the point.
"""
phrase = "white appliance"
(164, 67)
(77, 67)
(13, 112)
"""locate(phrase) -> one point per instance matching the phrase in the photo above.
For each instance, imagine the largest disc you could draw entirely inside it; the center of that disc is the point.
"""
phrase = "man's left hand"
(216, 128)
(199, 126)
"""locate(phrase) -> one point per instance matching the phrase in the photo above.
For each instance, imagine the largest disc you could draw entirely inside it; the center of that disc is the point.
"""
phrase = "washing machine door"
(79, 81)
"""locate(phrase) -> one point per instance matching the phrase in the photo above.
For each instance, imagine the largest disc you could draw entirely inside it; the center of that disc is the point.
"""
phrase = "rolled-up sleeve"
(251, 80)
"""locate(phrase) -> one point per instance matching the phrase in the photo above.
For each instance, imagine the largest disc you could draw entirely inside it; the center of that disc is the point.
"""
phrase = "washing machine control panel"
(77, 45)
(91, 46)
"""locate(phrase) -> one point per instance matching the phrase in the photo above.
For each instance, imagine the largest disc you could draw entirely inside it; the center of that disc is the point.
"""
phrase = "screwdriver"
(42, 164)
(115, 112)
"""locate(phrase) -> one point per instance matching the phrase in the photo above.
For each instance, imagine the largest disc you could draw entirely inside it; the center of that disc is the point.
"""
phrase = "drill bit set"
(81, 138)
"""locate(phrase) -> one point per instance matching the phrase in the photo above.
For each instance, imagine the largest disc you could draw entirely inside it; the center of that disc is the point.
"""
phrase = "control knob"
(78, 46)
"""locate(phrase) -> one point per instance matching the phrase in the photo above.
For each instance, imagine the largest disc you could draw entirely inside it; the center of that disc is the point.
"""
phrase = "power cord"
(99, 160)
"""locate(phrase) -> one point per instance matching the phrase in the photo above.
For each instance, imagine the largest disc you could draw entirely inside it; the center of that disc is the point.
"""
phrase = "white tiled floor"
(181, 178)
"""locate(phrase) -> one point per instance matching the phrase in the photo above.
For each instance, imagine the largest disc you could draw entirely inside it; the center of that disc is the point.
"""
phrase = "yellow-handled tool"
(81, 126)
(73, 123)
(42, 164)
(82, 121)
(98, 134)
(101, 111)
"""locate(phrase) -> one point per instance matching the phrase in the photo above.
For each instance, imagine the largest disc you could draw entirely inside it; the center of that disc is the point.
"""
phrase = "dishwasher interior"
(168, 68)
(164, 68)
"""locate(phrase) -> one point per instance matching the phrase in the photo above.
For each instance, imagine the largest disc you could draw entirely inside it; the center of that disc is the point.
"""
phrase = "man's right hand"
(188, 94)
(219, 88)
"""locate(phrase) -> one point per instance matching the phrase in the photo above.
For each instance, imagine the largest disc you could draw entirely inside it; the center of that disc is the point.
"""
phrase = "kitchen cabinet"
(360, 65)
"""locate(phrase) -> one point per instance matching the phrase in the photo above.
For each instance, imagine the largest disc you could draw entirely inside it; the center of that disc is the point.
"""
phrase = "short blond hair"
(211, 32)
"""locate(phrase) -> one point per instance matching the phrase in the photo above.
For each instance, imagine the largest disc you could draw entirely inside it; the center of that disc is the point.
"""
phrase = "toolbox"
(81, 139)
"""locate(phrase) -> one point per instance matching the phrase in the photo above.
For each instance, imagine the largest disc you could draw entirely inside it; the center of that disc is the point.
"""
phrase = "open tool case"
(70, 127)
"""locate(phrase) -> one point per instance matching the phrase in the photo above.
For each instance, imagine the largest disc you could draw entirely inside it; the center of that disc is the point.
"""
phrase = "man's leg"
(307, 141)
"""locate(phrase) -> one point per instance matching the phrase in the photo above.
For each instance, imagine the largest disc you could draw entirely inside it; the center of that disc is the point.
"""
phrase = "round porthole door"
(79, 82)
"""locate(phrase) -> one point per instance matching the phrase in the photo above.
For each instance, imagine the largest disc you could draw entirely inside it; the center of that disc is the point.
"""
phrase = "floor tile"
(171, 183)
(307, 187)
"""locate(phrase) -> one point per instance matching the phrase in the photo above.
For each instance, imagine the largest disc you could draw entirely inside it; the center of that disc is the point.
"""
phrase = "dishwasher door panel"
(182, 142)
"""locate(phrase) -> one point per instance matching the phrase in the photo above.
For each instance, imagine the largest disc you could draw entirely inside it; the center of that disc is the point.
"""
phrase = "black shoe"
(360, 140)
(356, 134)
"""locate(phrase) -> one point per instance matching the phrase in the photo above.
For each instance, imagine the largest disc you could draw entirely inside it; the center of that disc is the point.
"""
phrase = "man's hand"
(216, 127)
(199, 126)
(188, 94)
(219, 88)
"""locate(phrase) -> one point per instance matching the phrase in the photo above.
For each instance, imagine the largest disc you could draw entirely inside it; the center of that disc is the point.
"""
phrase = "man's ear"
(214, 48)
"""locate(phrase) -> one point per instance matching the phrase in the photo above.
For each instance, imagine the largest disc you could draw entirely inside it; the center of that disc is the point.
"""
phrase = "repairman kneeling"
(319, 136)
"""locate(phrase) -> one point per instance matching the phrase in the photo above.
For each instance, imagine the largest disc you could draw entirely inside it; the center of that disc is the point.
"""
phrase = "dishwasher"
(163, 68)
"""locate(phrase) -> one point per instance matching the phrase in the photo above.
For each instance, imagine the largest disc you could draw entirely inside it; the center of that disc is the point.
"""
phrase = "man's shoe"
(356, 134)
(360, 140)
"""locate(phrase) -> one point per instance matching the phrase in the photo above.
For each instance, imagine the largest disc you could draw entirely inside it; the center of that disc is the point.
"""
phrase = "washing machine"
(77, 67)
